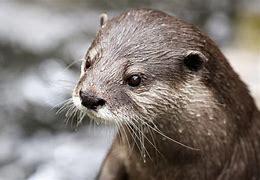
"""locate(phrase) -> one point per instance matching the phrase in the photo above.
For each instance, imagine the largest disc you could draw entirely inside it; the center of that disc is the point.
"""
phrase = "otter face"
(135, 68)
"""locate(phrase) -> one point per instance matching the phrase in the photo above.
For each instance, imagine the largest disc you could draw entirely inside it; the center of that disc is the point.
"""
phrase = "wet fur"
(179, 124)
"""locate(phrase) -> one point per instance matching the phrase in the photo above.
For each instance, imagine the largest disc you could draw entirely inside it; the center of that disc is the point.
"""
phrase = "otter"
(181, 110)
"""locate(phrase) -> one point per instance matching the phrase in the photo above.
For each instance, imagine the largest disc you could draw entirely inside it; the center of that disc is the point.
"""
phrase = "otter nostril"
(101, 102)
(90, 101)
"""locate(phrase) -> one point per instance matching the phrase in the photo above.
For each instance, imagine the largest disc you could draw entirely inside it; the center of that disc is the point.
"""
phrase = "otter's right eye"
(134, 80)
(87, 65)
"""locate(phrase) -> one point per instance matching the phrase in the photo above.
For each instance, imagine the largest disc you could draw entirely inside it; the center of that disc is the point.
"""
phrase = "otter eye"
(87, 65)
(134, 80)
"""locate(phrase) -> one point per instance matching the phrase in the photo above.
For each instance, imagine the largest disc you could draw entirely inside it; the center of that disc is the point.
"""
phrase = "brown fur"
(199, 125)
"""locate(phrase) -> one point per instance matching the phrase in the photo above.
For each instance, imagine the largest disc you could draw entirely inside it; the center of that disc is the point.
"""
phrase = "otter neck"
(159, 153)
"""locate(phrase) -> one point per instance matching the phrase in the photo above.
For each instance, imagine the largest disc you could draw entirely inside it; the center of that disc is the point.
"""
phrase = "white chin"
(77, 102)
(101, 113)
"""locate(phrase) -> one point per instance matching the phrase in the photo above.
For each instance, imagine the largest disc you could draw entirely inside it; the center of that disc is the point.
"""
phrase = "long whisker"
(62, 104)
(80, 117)
(71, 64)
(145, 137)
(121, 126)
(128, 126)
(167, 137)
(135, 136)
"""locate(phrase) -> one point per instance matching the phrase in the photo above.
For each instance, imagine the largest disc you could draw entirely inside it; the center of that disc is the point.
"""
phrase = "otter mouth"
(98, 114)
(101, 114)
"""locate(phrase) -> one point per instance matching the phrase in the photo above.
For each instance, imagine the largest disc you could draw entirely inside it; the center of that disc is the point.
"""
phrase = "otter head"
(147, 67)
(134, 61)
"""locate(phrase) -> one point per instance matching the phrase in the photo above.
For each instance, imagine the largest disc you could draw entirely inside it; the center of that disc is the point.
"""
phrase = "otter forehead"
(144, 37)
(140, 33)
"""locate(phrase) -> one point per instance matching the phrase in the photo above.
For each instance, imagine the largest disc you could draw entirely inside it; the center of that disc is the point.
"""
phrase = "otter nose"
(90, 101)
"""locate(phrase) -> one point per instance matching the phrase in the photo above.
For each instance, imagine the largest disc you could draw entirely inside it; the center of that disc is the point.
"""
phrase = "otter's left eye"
(134, 80)
(87, 65)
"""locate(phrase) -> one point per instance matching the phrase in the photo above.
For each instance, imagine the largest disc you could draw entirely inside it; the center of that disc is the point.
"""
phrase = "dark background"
(40, 39)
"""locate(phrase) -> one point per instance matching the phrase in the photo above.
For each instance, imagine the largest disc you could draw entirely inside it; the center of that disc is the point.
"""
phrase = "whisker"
(142, 138)
(62, 103)
(167, 137)
(81, 117)
(135, 136)
(122, 126)
(71, 64)
(128, 126)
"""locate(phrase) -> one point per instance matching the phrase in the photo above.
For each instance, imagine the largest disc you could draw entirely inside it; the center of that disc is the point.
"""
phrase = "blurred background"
(41, 43)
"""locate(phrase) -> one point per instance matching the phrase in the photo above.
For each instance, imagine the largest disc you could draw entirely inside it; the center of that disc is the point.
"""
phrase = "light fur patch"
(155, 93)
(105, 114)
(77, 102)
(195, 90)
(92, 53)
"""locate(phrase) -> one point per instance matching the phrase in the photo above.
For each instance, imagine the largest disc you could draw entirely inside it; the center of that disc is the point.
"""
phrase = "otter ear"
(194, 60)
(103, 19)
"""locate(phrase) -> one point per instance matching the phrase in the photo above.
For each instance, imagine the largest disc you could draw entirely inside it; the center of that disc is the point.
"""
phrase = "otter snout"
(90, 101)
